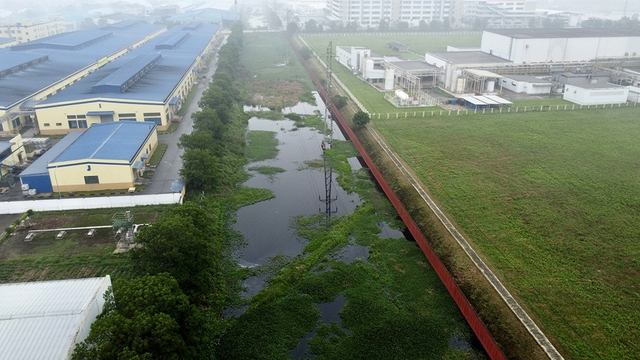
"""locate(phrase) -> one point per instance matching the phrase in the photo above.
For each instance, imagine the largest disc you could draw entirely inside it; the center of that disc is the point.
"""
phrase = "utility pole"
(327, 138)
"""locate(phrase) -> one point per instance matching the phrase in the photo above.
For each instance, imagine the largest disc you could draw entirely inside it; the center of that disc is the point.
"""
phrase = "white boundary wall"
(104, 202)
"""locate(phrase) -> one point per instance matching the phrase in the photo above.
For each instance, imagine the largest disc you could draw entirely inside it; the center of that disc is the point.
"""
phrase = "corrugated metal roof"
(39, 167)
(565, 33)
(4, 145)
(62, 63)
(123, 78)
(41, 320)
(158, 84)
(108, 141)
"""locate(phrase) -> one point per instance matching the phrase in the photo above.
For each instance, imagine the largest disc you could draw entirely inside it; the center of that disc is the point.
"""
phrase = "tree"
(305, 52)
(339, 101)
(383, 25)
(361, 118)
(146, 318)
(423, 26)
(435, 25)
(185, 244)
(310, 26)
(292, 28)
(200, 170)
(402, 26)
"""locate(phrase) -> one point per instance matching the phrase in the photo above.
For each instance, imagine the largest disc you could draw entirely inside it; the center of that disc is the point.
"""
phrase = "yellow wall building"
(32, 30)
(106, 156)
(12, 153)
(148, 84)
(34, 71)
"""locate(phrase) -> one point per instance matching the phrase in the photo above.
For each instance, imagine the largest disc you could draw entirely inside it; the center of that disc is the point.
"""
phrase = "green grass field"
(552, 199)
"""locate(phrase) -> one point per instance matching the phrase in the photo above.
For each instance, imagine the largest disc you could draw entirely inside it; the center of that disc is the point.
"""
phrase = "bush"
(339, 101)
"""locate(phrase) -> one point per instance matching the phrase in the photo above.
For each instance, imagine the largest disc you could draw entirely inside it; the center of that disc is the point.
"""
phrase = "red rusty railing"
(467, 311)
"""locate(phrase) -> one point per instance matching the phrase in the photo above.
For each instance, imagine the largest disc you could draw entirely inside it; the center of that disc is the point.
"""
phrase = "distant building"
(499, 13)
(370, 13)
(105, 157)
(46, 319)
(12, 153)
(454, 64)
(7, 41)
(32, 30)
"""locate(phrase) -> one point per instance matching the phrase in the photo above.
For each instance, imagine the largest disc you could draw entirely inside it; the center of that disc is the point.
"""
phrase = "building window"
(58, 124)
(82, 116)
(82, 124)
(47, 124)
(71, 117)
(158, 121)
(15, 122)
(130, 115)
(151, 114)
(91, 180)
(73, 124)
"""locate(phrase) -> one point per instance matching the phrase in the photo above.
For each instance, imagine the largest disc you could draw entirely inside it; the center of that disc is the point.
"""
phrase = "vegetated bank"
(548, 198)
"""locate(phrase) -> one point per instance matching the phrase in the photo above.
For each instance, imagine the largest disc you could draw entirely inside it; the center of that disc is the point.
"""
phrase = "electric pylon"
(327, 138)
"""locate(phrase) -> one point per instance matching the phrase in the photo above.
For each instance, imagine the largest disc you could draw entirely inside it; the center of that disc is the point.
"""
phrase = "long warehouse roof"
(66, 54)
(565, 33)
(158, 83)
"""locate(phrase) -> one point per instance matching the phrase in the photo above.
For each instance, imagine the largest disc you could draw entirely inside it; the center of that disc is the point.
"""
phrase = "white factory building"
(526, 84)
(557, 45)
(45, 319)
(596, 94)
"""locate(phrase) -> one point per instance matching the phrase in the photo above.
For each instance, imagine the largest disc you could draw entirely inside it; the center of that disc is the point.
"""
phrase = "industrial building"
(12, 153)
(33, 71)
(148, 84)
(106, 156)
(596, 94)
(46, 319)
(560, 45)
(460, 75)
(526, 84)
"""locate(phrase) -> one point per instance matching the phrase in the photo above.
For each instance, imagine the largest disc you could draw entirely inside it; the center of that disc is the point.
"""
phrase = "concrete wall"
(498, 45)
(104, 202)
(599, 96)
(525, 86)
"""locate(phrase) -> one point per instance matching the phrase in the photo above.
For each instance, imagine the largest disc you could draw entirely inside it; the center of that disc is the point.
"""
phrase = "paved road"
(169, 168)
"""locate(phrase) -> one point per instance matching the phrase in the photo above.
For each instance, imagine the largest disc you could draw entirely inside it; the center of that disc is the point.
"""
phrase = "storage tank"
(388, 79)
(491, 85)
(402, 95)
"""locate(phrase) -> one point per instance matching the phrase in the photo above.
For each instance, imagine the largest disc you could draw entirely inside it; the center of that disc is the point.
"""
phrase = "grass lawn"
(552, 199)
(75, 256)
(265, 55)
(157, 154)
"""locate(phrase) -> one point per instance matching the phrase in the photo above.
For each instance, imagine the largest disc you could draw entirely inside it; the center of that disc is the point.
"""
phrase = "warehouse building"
(560, 45)
(45, 319)
(33, 71)
(147, 84)
(596, 94)
(12, 153)
(106, 156)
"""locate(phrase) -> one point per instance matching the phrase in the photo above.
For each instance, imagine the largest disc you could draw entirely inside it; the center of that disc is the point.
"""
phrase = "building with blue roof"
(106, 156)
(35, 70)
(148, 84)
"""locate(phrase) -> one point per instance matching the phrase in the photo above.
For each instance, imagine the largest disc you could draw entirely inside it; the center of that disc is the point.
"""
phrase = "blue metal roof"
(127, 75)
(119, 140)
(122, 25)
(157, 85)
(66, 41)
(39, 167)
(4, 145)
(62, 63)
(12, 63)
(4, 40)
(173, 41)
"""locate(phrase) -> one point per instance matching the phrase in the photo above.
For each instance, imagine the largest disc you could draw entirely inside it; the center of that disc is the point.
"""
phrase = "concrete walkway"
(533, 329)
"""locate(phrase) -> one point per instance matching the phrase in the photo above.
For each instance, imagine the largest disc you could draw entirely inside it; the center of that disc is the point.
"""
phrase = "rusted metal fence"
(467, 311)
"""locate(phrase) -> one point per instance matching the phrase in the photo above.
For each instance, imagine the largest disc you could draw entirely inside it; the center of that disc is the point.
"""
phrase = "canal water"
(299, 190)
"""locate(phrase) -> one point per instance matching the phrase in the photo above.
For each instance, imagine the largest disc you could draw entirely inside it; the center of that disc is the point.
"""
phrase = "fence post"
(405, 115)
(483, 110)
(467, 112)
(387, 115)
(509, 109)
(458, 111)
(573, 107)
(432, 113)
(396, 115)
(525, 109)
(541, 107)
(440, 112)
(492, 110)
(475, 111)
(449, 112)
(557, 107)
(414, 114)
(423, 114)
(565, 106)
(517, 108)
